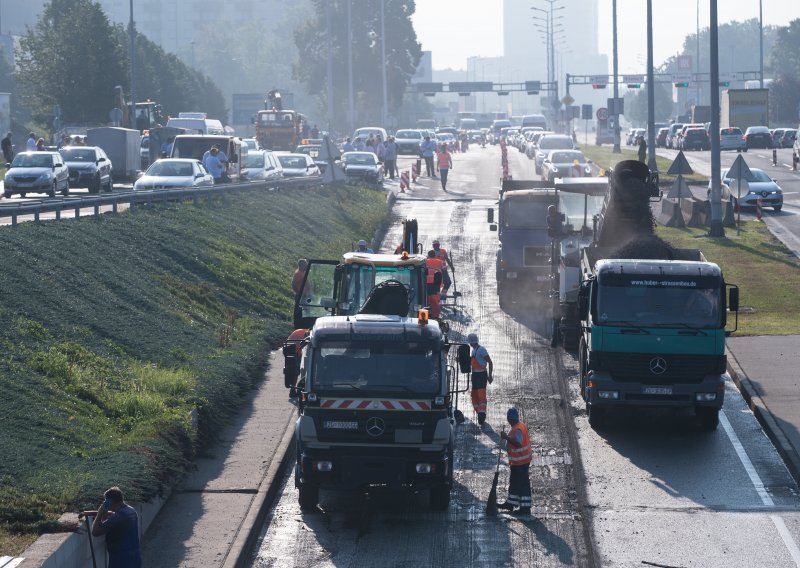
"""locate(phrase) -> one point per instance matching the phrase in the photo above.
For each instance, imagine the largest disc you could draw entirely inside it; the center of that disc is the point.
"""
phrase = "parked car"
(661, 138)
(551, 142)
(731, 139)
(760, 186)
(262, 165)
(37, 172)
(298, 165)
(408, 142)
(174, 173)
(695, 139)
(565, 163)
(672, 134)
(757, 137)
(363, 166)
(89, 167)
(788, 138)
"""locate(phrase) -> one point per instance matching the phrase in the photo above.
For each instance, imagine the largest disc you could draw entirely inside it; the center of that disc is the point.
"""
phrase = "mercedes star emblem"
(658, 365)
(375, 426)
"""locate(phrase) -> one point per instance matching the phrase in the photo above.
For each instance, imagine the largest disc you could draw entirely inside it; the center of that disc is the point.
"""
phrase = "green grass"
(113, 329)
(604, 157)
(767, 273)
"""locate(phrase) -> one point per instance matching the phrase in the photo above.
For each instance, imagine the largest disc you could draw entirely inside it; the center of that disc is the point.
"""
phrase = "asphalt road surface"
(650, 489)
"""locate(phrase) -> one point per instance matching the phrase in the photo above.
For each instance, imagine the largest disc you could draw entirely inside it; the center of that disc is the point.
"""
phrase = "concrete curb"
(241, 550)
(764, 416)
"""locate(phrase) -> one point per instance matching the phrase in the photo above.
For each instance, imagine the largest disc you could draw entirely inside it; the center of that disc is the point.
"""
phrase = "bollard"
(759, 208)
(403, 181)
(774, 157)
(414, 172)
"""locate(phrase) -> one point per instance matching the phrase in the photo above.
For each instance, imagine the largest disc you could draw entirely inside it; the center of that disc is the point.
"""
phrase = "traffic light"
(599, 86)
(634, 85)
(682, 85)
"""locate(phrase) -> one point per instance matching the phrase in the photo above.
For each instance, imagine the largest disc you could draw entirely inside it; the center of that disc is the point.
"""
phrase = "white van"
(534, 120)
(197, 125)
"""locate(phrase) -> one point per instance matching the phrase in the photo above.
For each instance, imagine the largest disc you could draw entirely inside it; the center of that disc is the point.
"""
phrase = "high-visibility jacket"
(444, 160)
(522, 454)
(441, 253)
(434, 265)
(475, 363)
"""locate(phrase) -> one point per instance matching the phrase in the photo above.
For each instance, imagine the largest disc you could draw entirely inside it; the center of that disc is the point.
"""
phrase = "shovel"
(491, 504)
(86, 515)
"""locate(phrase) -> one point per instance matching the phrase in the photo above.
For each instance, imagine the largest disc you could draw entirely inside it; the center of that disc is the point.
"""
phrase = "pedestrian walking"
(482, 371)
(390, 159)
(427, 149)
(519, 461)
(642, 149)
(30, 144)
(445, 164)
(441, 254)
(8, 148)
(433, 286)
(119, 522)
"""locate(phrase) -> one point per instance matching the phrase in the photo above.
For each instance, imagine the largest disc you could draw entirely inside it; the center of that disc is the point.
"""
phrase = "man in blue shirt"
(348, 146)
(427, 149)
(120, 523)
(215, 165)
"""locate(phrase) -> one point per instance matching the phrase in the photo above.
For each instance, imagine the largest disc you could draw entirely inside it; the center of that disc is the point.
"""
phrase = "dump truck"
(523, 253)
(278, 128)
(653, 317)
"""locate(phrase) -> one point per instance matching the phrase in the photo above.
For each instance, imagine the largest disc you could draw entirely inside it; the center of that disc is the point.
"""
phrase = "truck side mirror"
(291, 365)
(733, 301)
(464, 359)
(490, 215)
(493, 227)
(583, 300)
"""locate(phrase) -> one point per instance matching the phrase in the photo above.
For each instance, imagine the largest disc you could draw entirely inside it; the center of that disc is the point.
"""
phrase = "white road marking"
(755, 479)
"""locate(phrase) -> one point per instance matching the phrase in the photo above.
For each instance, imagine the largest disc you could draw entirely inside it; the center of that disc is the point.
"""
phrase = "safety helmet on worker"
(512, 415)
(472, 338)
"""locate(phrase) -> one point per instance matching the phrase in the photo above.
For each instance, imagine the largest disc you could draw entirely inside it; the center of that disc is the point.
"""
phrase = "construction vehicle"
(523, 252)
(278, 128)
(377, 396)
(652, 316)
(579, 203)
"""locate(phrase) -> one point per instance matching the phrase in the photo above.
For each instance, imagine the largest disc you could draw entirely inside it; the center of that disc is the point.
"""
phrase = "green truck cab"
(653, 334)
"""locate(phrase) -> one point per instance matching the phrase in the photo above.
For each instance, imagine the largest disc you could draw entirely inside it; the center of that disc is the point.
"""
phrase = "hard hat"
(512, 415)
(435, 242)
(472, 338)
(362, 243)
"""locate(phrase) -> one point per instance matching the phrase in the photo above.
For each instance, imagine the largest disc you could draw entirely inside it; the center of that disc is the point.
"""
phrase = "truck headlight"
(609, 395)
(323, 466)
(705, 396)
(424, 468)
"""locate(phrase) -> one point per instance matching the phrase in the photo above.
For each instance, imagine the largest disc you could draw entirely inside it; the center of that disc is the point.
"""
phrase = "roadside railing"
(147, 198)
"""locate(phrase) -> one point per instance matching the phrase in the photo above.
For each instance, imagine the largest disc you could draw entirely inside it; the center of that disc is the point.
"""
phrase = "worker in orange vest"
(434, 283)
(519, 460)
(444, 164)
(482, 371)
(444, 257)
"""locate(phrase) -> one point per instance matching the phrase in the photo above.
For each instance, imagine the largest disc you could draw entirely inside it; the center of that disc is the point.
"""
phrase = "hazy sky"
(456, 29)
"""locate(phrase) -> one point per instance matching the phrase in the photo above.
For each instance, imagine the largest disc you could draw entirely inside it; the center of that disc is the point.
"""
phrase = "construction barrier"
(414, 172)
(759, 208)
(403, 181)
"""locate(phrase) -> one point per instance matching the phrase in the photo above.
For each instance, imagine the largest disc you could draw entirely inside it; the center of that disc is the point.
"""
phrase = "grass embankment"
(604, 157)
(113, 329)
(767, 273)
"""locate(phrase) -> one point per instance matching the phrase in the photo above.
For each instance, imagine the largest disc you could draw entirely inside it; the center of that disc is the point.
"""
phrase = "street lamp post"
(761, 43)
(329, 32)
(132, 115)
(351, 99)
(385, 109)
(716, 229)
(651, 93)
(617, 149)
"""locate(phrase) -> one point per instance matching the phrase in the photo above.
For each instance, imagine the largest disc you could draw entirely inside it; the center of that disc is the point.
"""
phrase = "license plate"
(511, 274)
(656, 390)
(542, 278)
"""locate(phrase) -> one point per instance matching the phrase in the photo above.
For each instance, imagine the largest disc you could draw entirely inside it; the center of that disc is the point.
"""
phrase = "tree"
(402, 54)
(636, 104)
(785, 54)
(71, 58)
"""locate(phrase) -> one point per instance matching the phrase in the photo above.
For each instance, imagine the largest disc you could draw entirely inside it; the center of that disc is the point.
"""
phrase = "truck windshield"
(367, 367)
(656, 303)
(361, 278)
(524, 213)
(579, 208)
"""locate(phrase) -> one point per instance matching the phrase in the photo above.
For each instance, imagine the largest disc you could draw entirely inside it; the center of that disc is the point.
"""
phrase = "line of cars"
(695, 136)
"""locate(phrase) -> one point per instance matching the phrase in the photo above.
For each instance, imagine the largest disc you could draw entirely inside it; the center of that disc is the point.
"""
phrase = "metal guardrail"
(147, 198)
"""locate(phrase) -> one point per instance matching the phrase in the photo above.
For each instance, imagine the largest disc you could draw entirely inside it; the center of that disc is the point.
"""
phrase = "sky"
(457, 29)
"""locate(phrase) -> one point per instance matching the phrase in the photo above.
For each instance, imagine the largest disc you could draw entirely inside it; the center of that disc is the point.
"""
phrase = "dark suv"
(89, 167)
(695, 139)
(757, 137)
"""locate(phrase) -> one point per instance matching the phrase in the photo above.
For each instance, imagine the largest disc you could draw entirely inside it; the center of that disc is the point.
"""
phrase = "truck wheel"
(709, 417)
(597, 416)
(778, 207)
(308, 496)
(583, 368)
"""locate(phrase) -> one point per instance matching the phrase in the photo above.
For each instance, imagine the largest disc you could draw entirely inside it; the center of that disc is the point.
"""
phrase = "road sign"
(471, 87)
(602, 113)
(586, 112)
(633, 79)
(680, 166)
(680, 189)
(615, 106)
(567, 100)
(740, 169)
(429, 87)
(533, 87)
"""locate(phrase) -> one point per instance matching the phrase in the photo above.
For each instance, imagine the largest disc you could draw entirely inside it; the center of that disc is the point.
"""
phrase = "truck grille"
(393, 427)
(636, 367)
(536, 256)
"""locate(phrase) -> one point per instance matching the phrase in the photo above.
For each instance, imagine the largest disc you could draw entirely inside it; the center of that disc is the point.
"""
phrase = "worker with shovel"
(519, 460)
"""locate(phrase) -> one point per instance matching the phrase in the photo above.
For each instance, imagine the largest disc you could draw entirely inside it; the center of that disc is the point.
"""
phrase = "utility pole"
(614, 112)
(351, 97)
(716, 229)
(651, 94)
(132, 29)
(385, 108)
(328, 17)
(761, 43)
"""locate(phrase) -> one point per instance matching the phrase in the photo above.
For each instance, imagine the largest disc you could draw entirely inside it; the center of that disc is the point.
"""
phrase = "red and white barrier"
(759, 208)
(403, 181)
(414, 173)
